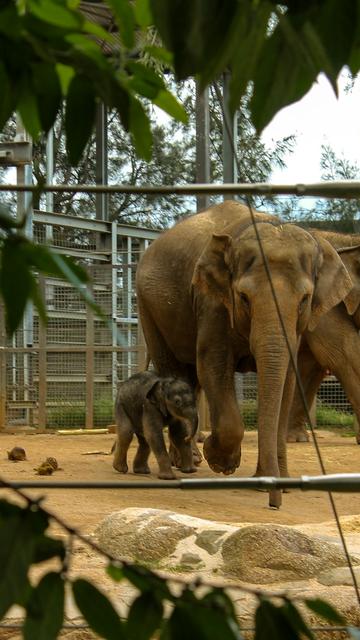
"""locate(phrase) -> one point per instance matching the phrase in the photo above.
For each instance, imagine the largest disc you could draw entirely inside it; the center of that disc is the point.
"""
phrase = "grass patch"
(330, 417)
(68, 415)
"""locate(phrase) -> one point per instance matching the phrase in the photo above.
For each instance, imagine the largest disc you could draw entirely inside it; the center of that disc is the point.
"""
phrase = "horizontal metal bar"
(72, 349)
(340, 482)
(326, 189)
(91, 224)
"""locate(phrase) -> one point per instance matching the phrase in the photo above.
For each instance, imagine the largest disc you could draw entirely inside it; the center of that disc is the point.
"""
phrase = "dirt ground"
(86, 458)
(86, 508)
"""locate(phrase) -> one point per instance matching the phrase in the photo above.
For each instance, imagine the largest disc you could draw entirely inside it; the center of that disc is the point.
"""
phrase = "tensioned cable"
(291, 355)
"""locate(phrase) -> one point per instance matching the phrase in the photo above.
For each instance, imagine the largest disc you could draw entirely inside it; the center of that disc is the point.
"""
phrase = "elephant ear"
(351, 259)
(333, 282)
(155, 394)
(213, 272)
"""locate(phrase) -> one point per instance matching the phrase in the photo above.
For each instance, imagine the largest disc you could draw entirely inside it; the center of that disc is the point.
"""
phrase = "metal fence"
(65, 375)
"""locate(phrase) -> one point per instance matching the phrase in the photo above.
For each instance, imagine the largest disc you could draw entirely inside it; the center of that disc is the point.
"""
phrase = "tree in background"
(344, 212)
(173, 162)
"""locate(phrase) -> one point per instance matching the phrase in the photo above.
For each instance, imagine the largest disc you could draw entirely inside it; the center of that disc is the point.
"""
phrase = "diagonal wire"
(291, 355)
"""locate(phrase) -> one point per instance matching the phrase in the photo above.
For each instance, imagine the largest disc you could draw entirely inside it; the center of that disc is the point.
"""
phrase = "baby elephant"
(145, 404)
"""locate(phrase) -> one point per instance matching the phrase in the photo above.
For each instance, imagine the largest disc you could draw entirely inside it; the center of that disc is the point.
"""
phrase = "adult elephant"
(334, 345)
(204, 300)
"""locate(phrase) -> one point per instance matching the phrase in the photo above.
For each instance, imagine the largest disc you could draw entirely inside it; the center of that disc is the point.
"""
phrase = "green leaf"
(10, 23)
(7, 222)
(71, 274)
(28, 107)
(79, 116)
(66, 74)
(194, 31)
(201, 622)
(296, 620)
(272, 624)
(46, 548)
(56, 13)
(144, 80)
(115, 572)
(19, 528)
(143, 13)
(15, 275)
(45, 609)
(161, 54)
(98, 611)
(282, 75)
(145, 580)
(250, 36)
(6, 96)
(325, 610)
(48, 93)
(140, 129)
(168, 103)
(144, 617)
(46, 261)
(37, 298)
(125, 20)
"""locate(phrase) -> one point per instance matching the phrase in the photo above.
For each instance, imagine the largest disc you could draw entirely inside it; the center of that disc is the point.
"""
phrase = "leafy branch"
(204, 609)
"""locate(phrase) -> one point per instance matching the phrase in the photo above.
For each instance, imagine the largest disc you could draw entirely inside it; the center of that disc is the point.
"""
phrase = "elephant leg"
(311, 374)
(140, 464)
(222, 449)
(183, 449)
(125, 434)
(153, 433)
(175, 455)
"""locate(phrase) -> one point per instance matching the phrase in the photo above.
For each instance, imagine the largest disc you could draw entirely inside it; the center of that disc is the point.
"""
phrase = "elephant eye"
(177, 401)
(304, 303)
(244, 300)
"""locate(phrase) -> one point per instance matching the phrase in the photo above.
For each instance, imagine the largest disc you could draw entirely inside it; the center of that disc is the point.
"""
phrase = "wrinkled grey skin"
(145, 404)
(334, 344)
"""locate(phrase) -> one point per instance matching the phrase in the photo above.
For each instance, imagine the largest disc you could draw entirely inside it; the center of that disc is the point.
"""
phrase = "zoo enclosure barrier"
(65, 375)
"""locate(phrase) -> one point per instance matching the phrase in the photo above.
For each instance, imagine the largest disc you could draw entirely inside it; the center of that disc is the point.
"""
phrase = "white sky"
(319, 118)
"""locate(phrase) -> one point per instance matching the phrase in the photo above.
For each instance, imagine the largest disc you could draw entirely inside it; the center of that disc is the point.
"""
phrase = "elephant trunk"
(272, 361)
(191, 421)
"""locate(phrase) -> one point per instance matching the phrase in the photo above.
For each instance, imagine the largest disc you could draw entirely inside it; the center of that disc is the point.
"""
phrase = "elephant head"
(175, 399)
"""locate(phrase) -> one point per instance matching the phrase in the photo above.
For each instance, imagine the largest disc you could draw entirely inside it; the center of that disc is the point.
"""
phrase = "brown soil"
(85, 508)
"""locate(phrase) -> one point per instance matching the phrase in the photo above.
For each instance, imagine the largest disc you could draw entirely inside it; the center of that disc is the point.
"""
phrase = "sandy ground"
(85, 508)
(86, 458)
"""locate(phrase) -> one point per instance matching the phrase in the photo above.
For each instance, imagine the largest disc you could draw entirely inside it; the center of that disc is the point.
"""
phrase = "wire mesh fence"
(65, 375)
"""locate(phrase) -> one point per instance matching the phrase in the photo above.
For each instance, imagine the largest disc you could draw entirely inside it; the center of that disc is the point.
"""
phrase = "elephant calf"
(145, 404)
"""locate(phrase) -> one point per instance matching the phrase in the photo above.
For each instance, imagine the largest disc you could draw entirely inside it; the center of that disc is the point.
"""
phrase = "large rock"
(141, 535)
(266, 553)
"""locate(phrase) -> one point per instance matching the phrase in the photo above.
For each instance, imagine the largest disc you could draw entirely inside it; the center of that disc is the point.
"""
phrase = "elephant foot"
(219, 460)
(144, 469)
(298, 435)
(166, 475)
(358, 438)
(188, 469)
(275, 499)
(121, 468)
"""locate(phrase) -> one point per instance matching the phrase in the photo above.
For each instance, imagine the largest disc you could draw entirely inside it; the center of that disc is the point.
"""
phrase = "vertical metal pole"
(114, 299)
(202, 144)
(102, 210)
(128, 304)
(24, 206)
(229, 138)
(90, 336)
(2, 368)
(49, 198)
(141, 359)
(42, 417)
